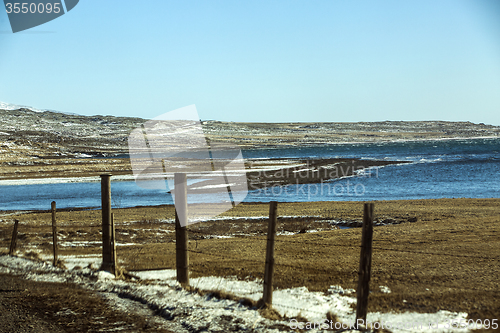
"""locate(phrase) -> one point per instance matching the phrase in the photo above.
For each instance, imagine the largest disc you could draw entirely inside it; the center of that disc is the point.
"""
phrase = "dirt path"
(43, 307)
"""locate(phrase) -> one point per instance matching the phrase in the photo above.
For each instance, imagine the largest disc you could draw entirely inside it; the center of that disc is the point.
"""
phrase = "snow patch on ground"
(89, 244)
(190, 311)
(78, 261)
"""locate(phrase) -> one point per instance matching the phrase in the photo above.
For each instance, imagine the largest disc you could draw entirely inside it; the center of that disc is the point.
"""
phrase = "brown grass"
(447, 260)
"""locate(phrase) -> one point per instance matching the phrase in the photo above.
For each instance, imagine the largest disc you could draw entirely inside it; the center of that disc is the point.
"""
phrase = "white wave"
(61, 180)
(427, 160)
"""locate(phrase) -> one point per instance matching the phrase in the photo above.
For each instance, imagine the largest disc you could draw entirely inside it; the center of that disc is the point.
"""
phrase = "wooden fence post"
(113, 247)
(13, 242)
(107, 257)
(54, 232)
(269, 272)
(181, 221)
(365, 263)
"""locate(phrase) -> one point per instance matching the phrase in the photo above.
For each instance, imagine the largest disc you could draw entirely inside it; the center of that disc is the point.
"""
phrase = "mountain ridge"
(102, 136)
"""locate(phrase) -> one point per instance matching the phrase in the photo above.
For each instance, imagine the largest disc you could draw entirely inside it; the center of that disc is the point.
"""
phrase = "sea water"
(459, 168)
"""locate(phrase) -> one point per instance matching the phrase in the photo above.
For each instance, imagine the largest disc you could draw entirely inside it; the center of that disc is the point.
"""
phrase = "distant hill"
(47, 134)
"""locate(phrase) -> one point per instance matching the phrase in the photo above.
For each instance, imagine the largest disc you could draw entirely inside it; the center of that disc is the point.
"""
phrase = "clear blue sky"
(269, 61)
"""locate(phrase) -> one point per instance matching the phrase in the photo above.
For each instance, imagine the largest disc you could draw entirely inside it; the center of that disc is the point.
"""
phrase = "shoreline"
(246, 210)
(37, 166)
(71, 174)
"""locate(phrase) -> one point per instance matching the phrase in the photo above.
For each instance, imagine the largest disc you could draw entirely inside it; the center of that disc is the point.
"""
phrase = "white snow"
(385, 289)
(92, 260)
(10, 106)
(89, 244)
(189, 311)
(156, 274)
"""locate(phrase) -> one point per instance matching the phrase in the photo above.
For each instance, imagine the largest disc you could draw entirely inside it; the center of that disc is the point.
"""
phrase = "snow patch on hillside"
(9, 106)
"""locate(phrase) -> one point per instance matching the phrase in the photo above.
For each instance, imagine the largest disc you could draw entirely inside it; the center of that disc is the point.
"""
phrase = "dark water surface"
(467, 168)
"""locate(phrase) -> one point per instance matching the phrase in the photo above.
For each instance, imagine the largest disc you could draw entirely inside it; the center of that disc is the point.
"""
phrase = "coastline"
(82, 173)
(23, 162)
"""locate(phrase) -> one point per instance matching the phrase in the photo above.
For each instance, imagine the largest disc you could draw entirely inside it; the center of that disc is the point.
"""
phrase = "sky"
(262, 61)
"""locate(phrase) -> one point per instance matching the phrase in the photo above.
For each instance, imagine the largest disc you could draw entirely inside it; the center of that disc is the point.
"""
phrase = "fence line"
(61, 226)
(13, 242)
(54, 232)
(281, 239)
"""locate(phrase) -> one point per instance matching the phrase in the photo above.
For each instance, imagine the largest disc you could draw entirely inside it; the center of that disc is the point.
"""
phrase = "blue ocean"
(459, 168)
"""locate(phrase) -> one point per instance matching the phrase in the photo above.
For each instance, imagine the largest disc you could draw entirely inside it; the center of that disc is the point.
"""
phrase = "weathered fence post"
(113, 247)
(107, 256)
(365, 263)
(181, 221)
(13, 242)
(269, 272)
(54, 231)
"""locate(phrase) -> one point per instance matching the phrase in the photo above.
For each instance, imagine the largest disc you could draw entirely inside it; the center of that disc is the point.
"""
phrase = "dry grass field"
(448, 259)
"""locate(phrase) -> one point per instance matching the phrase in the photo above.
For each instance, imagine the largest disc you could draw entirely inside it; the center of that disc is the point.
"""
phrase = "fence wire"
(321, 247)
